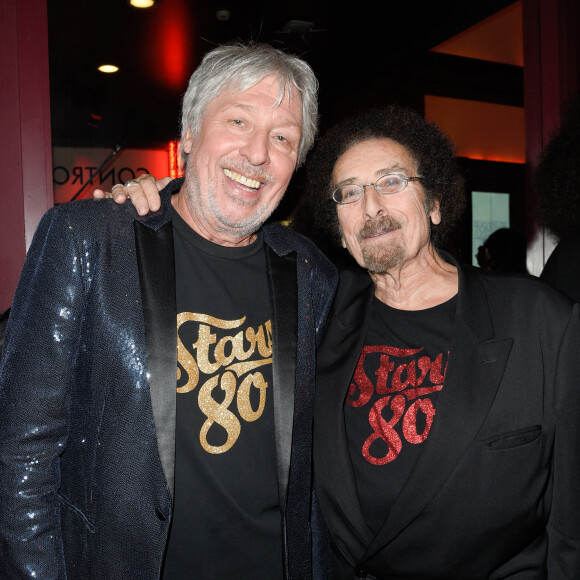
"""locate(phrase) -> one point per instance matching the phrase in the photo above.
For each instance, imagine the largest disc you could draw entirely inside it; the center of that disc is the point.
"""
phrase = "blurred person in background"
(503, 251)
(558, 189)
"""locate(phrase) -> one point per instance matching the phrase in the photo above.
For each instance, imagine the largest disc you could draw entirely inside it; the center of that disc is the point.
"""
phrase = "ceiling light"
(142, 3)
(108, 68)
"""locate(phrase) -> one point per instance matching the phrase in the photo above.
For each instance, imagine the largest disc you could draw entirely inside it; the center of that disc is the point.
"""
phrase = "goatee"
(380, 257)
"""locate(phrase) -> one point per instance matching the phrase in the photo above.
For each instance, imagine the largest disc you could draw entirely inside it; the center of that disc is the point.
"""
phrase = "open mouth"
(242, 180)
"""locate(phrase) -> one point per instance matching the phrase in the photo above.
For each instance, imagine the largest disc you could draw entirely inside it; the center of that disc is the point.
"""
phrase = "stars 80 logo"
(396, 383)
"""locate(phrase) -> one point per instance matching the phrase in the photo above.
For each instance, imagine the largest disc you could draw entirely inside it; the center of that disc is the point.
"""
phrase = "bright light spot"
(108, 68)
(142, 3)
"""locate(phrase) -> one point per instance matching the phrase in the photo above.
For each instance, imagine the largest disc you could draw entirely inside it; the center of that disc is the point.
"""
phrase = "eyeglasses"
(385, 184)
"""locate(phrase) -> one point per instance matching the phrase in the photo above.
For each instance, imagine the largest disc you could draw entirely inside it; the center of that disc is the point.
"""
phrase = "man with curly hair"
(446, 439)
(558, 190)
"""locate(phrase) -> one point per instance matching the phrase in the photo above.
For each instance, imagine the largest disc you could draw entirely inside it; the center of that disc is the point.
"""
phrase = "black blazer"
(495, 492)
(87, 393)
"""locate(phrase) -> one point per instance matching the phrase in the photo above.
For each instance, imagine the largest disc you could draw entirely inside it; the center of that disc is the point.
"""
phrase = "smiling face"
(383, 232)
(240, 164)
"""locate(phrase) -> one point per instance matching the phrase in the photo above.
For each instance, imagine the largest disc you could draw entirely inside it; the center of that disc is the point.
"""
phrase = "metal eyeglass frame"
(405, 180)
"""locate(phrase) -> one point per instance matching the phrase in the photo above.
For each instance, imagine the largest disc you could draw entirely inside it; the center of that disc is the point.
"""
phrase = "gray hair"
(241, 66)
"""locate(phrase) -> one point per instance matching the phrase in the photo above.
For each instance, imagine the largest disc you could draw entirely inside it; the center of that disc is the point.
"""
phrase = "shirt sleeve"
(564, 521)
(36, 374)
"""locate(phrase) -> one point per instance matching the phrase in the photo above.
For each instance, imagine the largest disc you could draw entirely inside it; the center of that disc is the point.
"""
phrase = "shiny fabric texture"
(83, 493)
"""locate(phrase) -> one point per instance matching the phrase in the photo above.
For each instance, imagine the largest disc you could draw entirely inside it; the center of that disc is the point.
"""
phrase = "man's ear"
(435, 213)
(187, 142)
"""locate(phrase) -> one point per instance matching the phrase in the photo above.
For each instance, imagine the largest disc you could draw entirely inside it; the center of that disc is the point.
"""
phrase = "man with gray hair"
(111, 469)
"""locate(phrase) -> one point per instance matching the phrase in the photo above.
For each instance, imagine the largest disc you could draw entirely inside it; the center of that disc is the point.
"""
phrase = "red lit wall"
(25, 142)
(498, 38)
(480, 130)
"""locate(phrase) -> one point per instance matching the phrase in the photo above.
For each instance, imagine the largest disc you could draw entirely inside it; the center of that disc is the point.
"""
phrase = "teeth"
(241, 179)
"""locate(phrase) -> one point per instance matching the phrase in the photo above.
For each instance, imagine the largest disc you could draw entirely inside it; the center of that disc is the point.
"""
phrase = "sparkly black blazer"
(87, 393)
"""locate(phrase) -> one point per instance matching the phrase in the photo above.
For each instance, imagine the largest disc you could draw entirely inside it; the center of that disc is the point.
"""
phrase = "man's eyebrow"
(396, 168)
(243, 106)
(251, 109)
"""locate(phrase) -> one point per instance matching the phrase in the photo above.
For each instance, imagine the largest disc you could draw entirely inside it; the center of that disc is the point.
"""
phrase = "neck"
(422, 282)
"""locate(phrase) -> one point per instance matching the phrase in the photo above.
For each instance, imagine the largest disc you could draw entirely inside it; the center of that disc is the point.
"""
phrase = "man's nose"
(256, 148)
(373, 201)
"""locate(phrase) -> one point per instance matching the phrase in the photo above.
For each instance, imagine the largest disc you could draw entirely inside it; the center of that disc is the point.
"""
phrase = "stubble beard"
(240, 228)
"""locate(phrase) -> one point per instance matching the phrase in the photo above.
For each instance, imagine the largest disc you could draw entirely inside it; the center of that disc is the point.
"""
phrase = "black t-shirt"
(226, 519)
(392, 399)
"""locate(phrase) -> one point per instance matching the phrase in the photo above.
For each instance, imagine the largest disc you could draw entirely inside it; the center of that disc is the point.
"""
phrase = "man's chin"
(378, 262)
(242, 224)
(249, 201)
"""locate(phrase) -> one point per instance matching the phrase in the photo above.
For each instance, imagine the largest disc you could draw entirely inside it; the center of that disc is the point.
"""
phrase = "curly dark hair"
(557, 177)
(432, 151)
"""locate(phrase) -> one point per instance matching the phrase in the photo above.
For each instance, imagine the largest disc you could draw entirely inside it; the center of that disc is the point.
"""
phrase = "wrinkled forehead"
(375, 155)
(286, 90)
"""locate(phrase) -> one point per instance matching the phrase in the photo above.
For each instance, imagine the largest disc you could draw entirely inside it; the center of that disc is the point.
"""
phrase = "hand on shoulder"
(143, 191)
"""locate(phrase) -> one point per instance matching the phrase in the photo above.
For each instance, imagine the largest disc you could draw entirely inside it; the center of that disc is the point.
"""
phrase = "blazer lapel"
(337, 358)
(476, 366)
(155, 256)
(283, 285)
